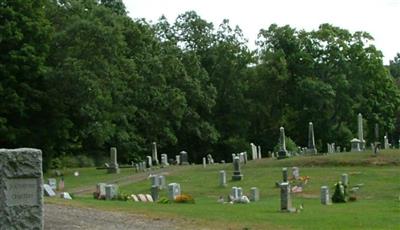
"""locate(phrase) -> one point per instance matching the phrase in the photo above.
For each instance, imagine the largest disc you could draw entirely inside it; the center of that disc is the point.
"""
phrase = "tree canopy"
(78, 77)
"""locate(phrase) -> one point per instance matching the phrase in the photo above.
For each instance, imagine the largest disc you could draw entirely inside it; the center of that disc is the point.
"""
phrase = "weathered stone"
(184, 158)
(311, 149)
(149, 162)
(295, 172)
(154, 192)
(345, 179)
(253, 151)
(355, 145)
(284, 175)
(325, 200)
(286, 202)
(283, 153)
(204, 162)
(21, 189)
(53, 183)
(222, 178)
(254, 194)
(360, 131)
(164, 160)
(101, 190)
(111, 191)
(154, 153)
(162, 183)
(113, 167)
(154, 180)
(386, 142)
(174, 190)
(237, 175)
(235, 193)
(259, 152)
(48, 191)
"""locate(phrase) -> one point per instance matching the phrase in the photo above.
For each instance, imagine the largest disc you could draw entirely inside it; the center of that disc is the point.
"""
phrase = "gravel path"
(68, 217)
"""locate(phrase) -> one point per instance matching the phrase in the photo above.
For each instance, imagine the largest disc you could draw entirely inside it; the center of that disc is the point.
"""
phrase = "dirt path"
(68, 217)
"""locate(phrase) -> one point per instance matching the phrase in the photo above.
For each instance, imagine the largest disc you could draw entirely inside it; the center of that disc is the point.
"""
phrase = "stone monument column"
(282, 145)
(361, 131)
(154, 153)
(311, 141)
(114, 168)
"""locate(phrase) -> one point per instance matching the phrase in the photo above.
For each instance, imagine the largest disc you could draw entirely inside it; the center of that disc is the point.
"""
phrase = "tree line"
(78, 77)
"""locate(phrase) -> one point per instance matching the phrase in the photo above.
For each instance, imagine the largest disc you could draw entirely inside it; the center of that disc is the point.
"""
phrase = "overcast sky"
(380, 18)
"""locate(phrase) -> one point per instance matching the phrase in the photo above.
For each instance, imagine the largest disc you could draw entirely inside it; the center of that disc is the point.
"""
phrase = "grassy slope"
(378, 205)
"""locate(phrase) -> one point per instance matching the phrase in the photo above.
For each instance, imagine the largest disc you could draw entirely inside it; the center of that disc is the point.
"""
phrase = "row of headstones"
(286, 203)
(255, 151)
(237, 195)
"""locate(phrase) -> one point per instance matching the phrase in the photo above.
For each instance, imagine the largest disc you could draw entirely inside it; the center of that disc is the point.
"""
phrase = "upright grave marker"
(154, 153)
(237, 175)
(360, 131)
(184, 158)
(114, 168)
(21, 189)
(311, 140)
(282, 145)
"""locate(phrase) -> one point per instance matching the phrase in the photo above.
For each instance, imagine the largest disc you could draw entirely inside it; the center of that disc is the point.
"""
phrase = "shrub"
(122, 196)
(290, 145)
(55, 163)
(184, 198)
(163, 200)
(339, 196)
(84, 161)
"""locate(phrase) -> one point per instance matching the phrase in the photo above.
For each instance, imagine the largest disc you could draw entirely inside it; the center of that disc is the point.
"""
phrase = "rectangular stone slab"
(21, 189)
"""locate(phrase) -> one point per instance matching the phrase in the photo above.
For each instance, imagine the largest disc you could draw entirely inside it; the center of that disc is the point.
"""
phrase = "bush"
(122, 196)
(290, 145)
(184, 198)
(55, 163)
(339, 196)
(69, 161)
(84, 161)
(163, 200)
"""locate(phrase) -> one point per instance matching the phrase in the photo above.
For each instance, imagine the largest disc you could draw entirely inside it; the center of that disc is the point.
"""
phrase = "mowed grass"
(377, 207)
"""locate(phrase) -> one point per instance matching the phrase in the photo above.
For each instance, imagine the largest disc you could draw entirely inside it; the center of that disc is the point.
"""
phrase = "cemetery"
(375, 201)
(118, 114)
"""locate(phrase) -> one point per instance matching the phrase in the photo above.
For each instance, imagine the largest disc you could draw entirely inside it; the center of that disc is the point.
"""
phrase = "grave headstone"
(233, 157)
(254, 194)
(295, 172)
(65, 196)
(178, 159)
(164, 159)
(101, 190)
(355, 145)
(311, 149)
(149, 198)
(222, 178)
(246, 158)
(360, 131)
(204, 162)
(137, 169)
(135, 198)
(142, 197)
(174, 190)
(184, 158)
(386, 142)
(239, 192)
(154, 192)
(210, 159)
(284, 174)
(111, 191)
(286, 201)
(21, 189)
(113, 166)
(154, 153)
(235, 193)
(345, 179)
(53, 183)
(149, 162)
(259, 152)
(48, 191)
(253, 151)
(162, 184)
(154, 180)
(237, 175)
(325, 199)
(282, 145)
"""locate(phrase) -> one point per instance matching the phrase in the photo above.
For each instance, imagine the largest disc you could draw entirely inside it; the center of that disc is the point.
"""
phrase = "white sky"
(380, 18)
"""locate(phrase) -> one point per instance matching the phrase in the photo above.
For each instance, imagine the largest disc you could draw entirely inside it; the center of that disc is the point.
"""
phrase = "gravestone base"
(237, 176)
(282, 154)
(113, 170)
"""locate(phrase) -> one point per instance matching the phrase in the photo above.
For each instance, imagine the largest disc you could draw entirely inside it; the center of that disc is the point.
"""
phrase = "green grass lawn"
(377, 207)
